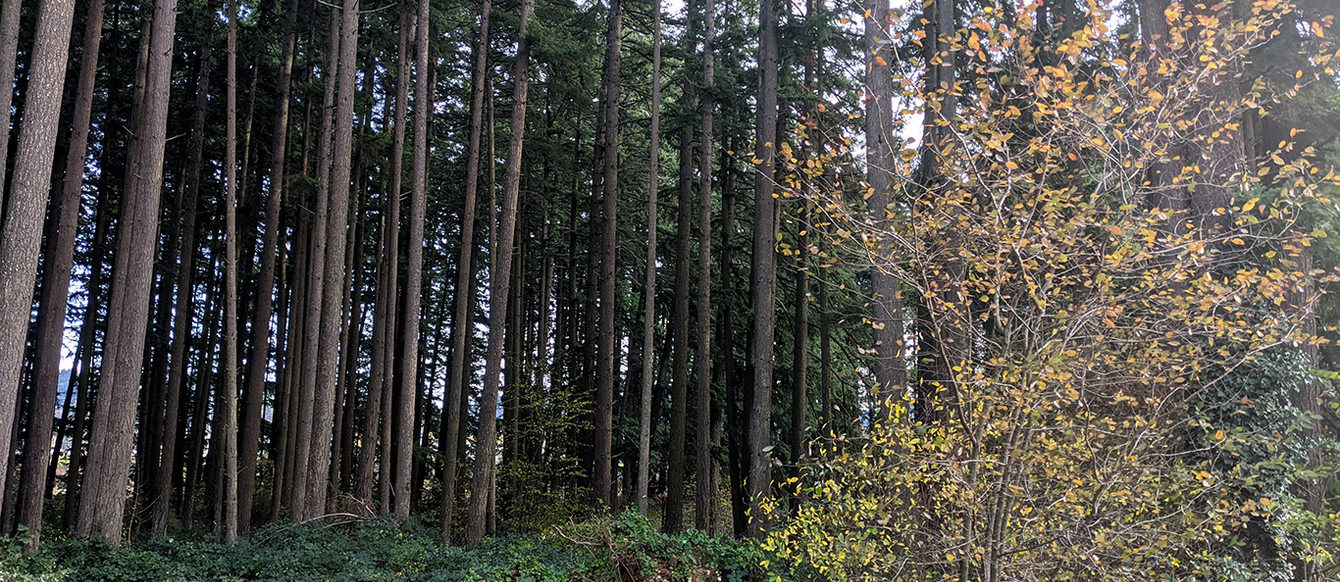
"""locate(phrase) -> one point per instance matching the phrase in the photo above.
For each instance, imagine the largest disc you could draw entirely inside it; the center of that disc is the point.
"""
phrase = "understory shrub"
(621, 548)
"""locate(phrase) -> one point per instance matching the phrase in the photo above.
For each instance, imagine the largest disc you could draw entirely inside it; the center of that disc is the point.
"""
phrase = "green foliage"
(634, 549)
(1263, 446)
(618, 548)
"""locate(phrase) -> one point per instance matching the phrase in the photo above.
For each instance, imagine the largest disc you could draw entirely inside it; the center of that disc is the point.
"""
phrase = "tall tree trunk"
(9, 47)
(423, 111)
(55, 290)
(332, 290)
(383, 338)
(707, 489)
(499, 283)
(765, 272)
(279, 411)
(184, 312)
(890, 371)
(21, 238)
(286, 462)
(228, 530)
(542, 367)
(511, 395)
(463, 319)
(649, 309)
(673, 520)
(800, 355)
(342, 472)
(63, 426)
(101, 505)
(942, 338)
(389, 346)
(313, 304)
(730, 371)
(348, 342)
(87, 333)
(604, 413)
(195, 453)
(367, 452)
(259, 359)
(825, 358)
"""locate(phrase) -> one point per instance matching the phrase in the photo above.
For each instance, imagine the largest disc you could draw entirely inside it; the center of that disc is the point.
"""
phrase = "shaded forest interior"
(996, 288)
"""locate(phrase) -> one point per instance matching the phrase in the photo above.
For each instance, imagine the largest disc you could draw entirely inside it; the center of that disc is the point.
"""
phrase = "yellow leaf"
(1171, 14)
(1114, 229)
(1250, 205)
(1219, 435)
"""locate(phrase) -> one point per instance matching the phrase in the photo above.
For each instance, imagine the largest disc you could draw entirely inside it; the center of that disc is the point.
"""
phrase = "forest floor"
(617, 549)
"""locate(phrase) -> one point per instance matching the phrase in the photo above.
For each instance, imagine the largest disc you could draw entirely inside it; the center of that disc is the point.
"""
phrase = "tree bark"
(825, 358)
(332, 290)
(9, 47)
(800, 354)
(228, 530)
(350, 336)
(604, 413)
(184, 312)
(305, 397)
(87, 333)
(707, 490)
(886, 303)
(942, 339)
(101, 505)
(673, 520)
(383, 342)
(649, 309)
(259, 359)
(286, 460)
(499, 283)
(729, 370)
(33, 487)
(463, 319)
(423, 111)
(21, 238)
(765, 273)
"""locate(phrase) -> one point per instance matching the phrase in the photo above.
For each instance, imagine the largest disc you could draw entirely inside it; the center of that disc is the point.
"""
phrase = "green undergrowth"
(625, 548)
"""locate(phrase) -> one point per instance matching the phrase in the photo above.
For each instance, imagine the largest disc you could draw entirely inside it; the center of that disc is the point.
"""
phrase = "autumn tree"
(1094, 329)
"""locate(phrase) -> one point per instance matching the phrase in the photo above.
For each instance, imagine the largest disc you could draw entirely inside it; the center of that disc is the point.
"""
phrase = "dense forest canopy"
(971, 289)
